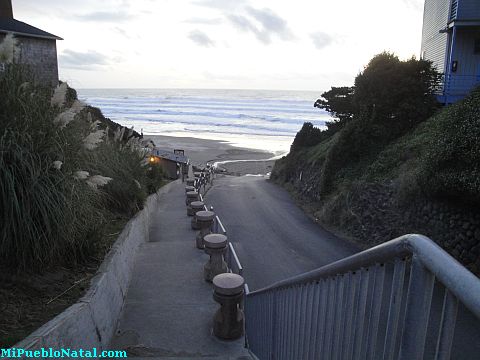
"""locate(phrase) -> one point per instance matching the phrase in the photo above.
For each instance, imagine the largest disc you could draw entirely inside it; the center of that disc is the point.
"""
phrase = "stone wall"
(372, 213)
(41, 56)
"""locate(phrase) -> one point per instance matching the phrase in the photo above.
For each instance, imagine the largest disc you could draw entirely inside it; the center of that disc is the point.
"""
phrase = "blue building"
(451, 39)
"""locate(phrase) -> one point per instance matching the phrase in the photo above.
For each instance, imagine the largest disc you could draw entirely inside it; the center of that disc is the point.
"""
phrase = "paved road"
(275, 240)
(273, 237)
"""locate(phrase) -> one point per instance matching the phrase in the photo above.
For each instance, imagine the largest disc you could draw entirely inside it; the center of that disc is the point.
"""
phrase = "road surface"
(273, 238)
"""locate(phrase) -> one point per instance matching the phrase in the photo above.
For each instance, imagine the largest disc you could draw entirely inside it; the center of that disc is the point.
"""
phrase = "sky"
(223, 44)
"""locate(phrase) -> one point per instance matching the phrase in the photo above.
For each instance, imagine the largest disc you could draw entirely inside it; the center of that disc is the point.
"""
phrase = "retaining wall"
(91, 322)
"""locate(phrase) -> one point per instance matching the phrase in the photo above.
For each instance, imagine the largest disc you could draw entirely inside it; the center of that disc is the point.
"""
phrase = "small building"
(451, 40)
(173, 164)
(36, 48)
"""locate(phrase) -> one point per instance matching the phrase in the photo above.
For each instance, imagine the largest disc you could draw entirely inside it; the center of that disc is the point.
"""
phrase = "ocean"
(257, 119)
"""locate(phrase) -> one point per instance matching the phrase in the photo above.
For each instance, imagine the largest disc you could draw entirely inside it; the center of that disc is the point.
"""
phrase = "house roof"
(165, 154)
(9, 25)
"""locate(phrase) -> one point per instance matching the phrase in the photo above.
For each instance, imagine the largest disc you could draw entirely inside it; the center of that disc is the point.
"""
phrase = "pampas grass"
(8, 48)
(59, 177)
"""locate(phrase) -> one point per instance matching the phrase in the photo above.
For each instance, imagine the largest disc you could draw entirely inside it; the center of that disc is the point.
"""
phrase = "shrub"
(451, 164)
(308, 135)
(63, 171)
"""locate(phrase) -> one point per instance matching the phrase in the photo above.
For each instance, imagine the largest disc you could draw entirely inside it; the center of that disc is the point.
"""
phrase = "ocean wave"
(247, 114)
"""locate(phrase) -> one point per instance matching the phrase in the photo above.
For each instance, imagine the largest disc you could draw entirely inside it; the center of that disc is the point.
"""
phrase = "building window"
(476, 46)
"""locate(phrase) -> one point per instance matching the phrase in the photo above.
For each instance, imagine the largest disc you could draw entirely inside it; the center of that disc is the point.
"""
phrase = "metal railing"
(373, 305)
(232, 259)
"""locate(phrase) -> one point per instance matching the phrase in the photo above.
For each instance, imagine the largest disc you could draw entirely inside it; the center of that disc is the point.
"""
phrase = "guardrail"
(335, 312)
(233, 262)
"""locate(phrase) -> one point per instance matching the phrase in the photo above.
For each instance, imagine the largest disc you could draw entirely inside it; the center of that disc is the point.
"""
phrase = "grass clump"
(65, 171)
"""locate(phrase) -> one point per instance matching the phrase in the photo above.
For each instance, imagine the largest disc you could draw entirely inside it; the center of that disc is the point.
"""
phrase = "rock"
(477, 234)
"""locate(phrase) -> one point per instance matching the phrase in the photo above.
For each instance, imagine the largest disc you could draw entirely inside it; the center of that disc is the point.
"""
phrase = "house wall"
(170, 167)
(41, 55)
(468, 10)
(468, 62)
(434, 44)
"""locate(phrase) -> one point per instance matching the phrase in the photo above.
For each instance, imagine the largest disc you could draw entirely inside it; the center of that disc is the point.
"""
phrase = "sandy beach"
(201, 151)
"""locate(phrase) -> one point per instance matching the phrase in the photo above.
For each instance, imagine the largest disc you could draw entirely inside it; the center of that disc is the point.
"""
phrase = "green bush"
(451, 163)
(308, 135)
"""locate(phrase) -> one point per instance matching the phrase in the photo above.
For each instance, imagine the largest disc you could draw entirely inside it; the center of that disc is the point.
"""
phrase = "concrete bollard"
(191, 197)
(194, 207)
(228, 292)
(216, 247)
(189, 188)
(204, 221)
(190, 181)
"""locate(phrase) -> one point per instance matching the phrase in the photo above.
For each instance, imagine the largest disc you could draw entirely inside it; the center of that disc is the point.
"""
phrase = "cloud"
(414, 4)
(271, 22)
(89, 60)
(321, 40)
(263, 23)
(241, 23)
(221, 4)
(105, 16)
(200, 38)
(204, 21)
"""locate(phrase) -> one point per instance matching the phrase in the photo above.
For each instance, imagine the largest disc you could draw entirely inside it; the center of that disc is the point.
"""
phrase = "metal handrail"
(334, 311)
(233, 260)
(461, 282)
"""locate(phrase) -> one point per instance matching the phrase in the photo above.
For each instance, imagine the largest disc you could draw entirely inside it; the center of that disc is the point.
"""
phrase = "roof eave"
(53, 37)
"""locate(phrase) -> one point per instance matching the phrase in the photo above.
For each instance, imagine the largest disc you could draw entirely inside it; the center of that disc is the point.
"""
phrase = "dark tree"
(339, 102)
(400, 93)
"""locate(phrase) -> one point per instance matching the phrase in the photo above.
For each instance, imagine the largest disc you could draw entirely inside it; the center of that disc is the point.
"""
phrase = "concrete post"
(194, 207)
(216, 247)
(228, 292)
(191, 197)
(189, 188)
(190, 181)
(204, 221)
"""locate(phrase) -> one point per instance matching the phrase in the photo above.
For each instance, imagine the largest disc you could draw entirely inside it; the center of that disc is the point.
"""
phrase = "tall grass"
(47, 214)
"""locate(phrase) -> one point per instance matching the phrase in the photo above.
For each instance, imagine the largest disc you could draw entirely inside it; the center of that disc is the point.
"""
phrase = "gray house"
(451, 39)
(36, 48)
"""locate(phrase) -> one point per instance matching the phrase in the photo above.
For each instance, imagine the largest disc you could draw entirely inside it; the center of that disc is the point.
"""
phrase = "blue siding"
(467, 75)
(468, 10)
(434, 44)
(468, 62)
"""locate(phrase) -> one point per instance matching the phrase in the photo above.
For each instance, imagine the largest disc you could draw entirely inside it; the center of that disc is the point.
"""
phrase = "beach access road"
(273, 237)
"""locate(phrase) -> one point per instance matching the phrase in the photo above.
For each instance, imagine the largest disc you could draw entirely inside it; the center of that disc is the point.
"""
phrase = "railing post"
(274, 330)
(419, 299)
